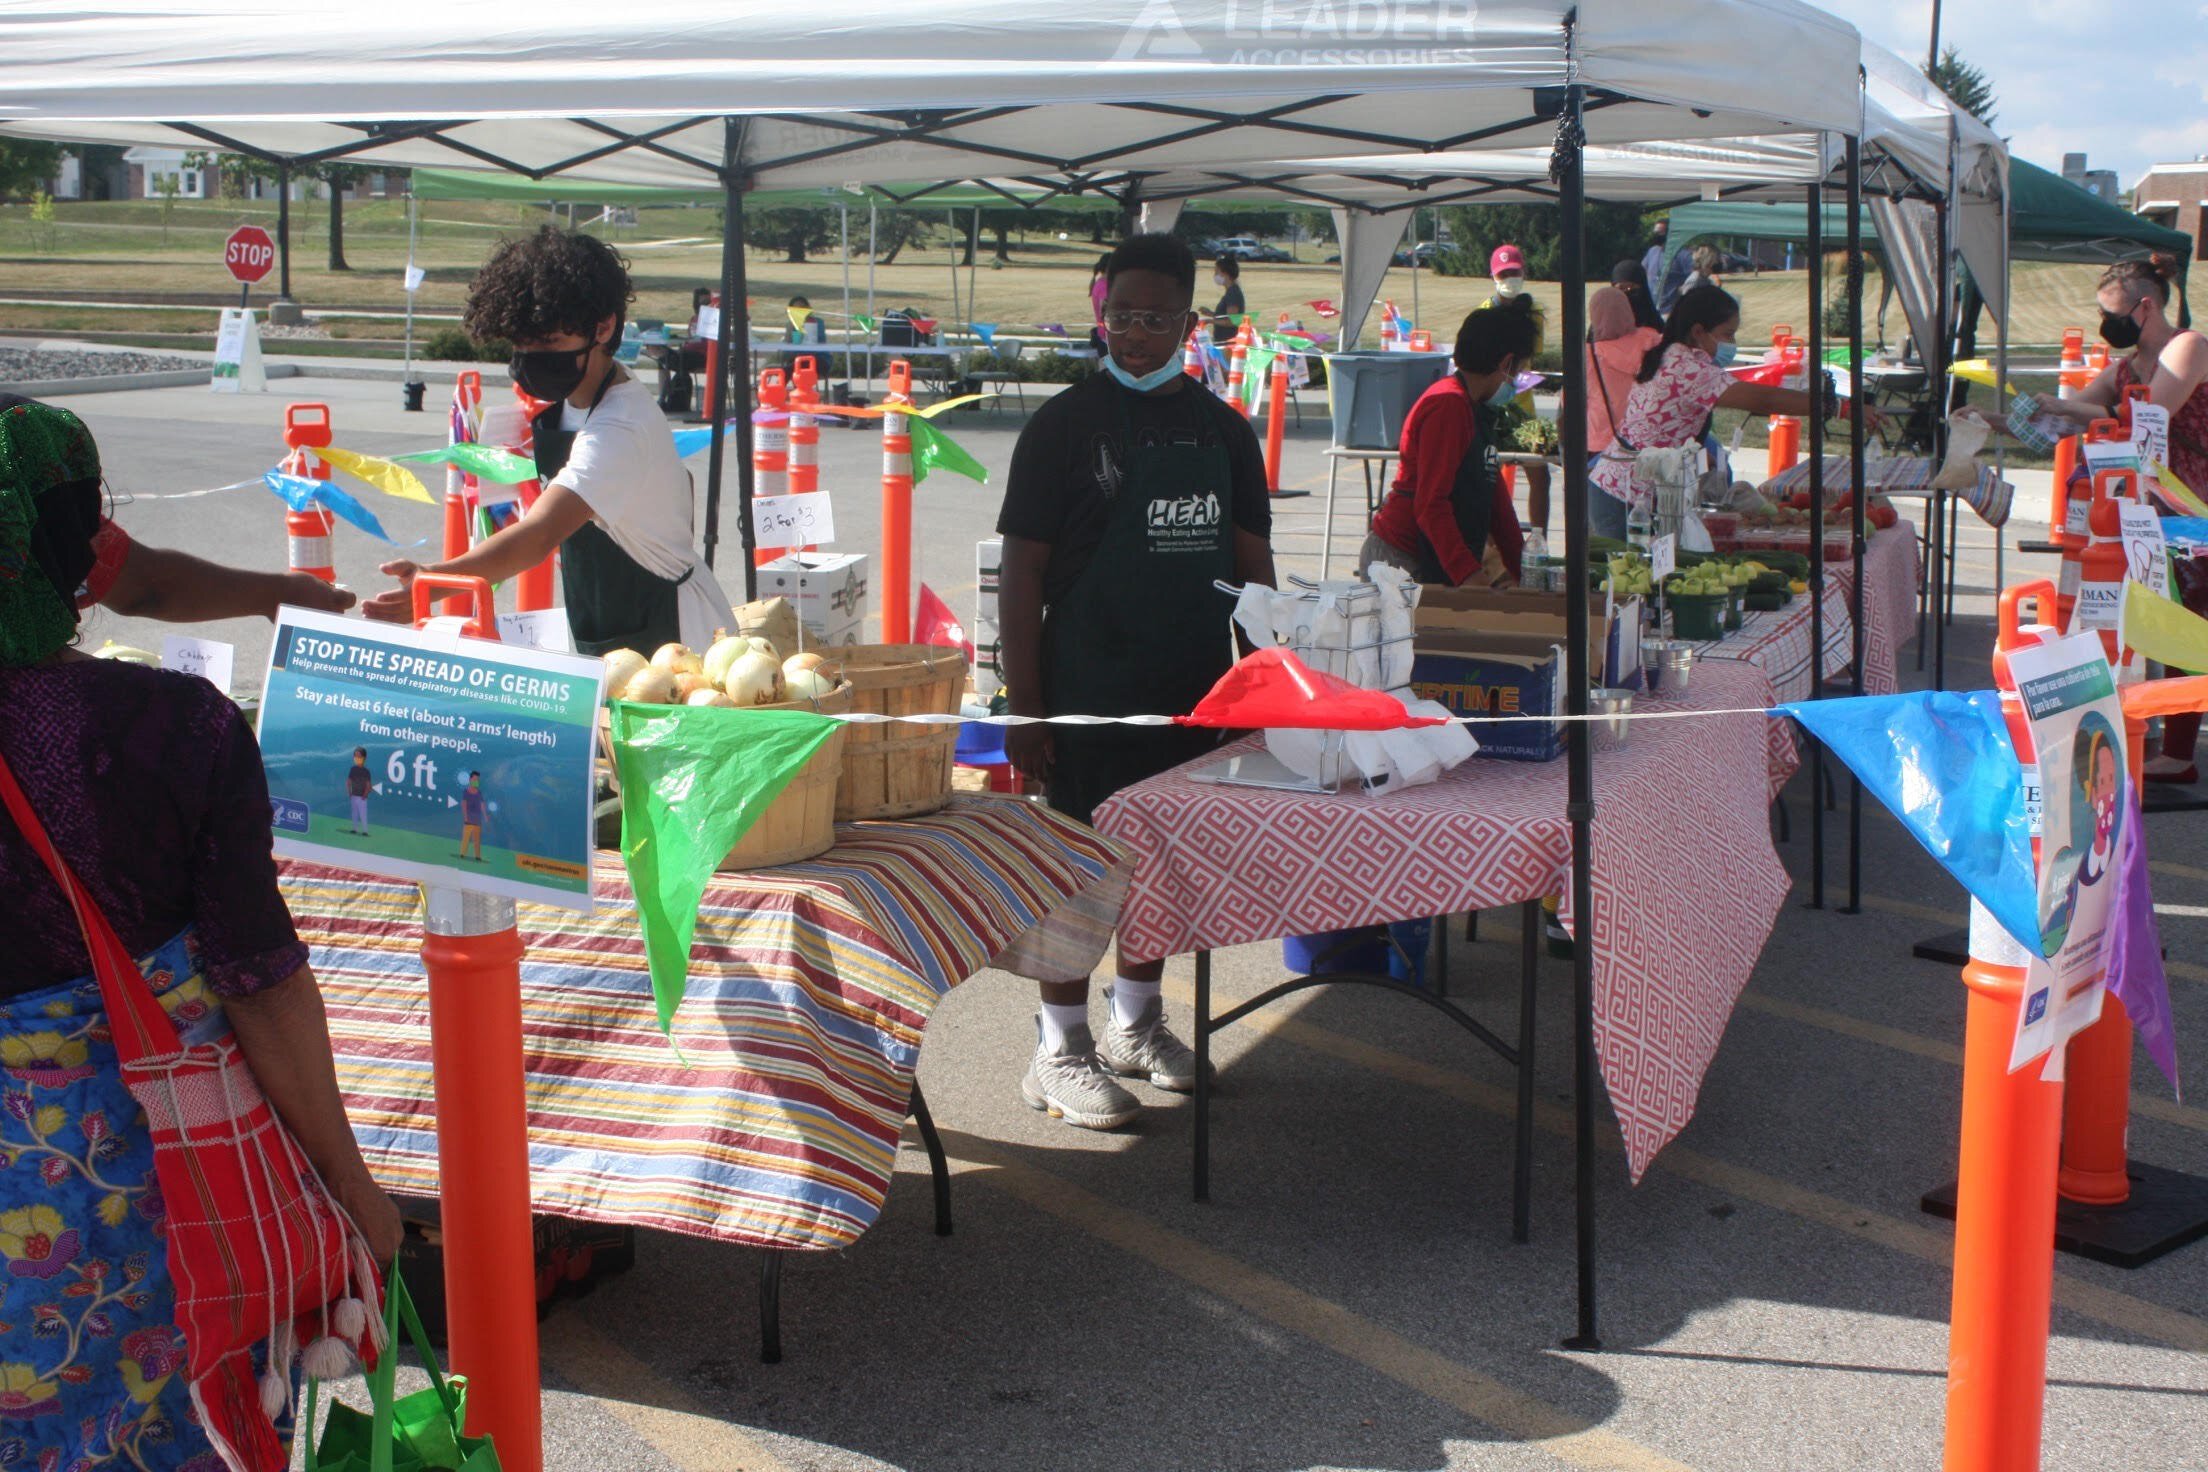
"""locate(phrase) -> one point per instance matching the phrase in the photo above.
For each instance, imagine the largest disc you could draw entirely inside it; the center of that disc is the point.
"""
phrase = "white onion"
(807, 684)
(804, 659)
(709, 697)
(754, 679)
(678, 659)
(763, 645)
(621, 667)
(688, 684)
(650, 685)
(727, 648)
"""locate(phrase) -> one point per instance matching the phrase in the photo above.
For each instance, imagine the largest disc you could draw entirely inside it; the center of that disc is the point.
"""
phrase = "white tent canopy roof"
(886, 92)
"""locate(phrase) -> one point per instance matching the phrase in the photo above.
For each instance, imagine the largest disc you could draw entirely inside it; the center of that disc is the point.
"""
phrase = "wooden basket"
(800, 823)
(896, 770)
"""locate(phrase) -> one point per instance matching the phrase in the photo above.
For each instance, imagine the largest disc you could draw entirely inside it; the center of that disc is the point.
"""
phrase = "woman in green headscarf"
(148, 784)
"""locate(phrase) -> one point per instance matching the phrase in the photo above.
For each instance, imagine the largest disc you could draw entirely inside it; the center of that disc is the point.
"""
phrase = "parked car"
(1241, 248)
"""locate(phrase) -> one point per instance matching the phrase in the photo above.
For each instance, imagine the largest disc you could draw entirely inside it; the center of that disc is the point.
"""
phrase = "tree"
(166, 187)
(1965, 85)
(796, 231)
(42, 219)
(1614, 232)
(894, 229)
(25, 167)
(340, 177)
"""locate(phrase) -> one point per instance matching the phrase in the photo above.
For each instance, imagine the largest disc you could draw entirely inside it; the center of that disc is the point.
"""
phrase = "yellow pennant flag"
(798, 316)
(2179, 493)
(392, 480)
(1978, 370)
(2166, 632)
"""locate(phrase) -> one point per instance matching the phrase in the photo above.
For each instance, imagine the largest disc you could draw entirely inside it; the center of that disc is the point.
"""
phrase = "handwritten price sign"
(793, 521)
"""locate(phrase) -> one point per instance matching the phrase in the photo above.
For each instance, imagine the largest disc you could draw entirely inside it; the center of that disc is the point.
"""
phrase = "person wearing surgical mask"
(617, 504)
(1226, 318)
(1131, 496)
(2171, 362)
(1449, 504)
(1506, 265)
(1683, 380)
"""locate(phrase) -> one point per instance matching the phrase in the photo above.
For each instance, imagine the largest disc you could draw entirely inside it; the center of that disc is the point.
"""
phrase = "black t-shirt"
(1069, 465)
(1231, 306)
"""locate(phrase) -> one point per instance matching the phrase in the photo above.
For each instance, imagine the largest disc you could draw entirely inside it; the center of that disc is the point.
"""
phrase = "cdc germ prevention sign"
(426, 756)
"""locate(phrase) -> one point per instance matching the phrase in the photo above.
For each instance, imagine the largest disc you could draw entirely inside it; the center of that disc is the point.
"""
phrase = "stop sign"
(249, 253)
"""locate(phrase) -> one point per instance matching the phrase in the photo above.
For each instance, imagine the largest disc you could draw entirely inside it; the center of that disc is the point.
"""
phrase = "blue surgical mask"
(1724, 353)
(1157, 378)
(1505, 392)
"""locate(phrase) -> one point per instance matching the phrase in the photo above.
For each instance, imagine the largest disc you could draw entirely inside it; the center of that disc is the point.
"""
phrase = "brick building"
(2173, 195)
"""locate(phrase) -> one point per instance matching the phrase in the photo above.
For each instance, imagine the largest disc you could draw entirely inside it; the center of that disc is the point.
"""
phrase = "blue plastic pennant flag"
(1941, 762)
(299, 492)
(987, 332)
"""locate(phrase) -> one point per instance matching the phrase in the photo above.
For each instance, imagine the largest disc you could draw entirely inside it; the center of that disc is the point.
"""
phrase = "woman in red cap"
(1507, 265)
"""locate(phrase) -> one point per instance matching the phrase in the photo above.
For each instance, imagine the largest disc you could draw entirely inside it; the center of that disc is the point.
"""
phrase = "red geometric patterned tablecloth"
(1678, 835)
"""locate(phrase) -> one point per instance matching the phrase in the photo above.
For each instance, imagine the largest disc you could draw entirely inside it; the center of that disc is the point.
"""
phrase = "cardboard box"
(1613, 632)
(828, 590)
(1497, 674)
(988, 640)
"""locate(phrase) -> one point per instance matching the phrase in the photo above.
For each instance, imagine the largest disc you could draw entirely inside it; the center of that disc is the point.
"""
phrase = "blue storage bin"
(1363, 948)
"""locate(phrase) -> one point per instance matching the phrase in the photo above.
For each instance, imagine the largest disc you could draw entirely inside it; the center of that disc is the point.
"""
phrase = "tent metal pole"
(952, 216)
(407, 374)
(872, 215)
(1416, 314)
(1569, 167)
(1814, 380)
(1943, 338)
(283, 230)
(843, 231)
(735, 336)
(1855, 478)
(973, 260)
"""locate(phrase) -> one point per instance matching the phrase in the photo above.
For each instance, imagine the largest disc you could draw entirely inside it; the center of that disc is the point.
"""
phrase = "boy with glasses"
(1130, 495)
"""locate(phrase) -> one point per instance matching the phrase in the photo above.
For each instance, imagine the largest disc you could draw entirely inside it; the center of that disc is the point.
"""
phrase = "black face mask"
(550, 376)
(2118, 330)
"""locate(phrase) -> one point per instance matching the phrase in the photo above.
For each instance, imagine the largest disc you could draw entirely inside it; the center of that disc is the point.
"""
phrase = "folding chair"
(1008, 355)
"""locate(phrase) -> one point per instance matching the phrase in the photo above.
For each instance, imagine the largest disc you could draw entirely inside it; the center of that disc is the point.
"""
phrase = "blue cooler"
(1364, 948)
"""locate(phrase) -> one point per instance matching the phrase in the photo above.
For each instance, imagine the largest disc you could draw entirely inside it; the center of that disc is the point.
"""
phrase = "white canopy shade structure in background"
(748, 95)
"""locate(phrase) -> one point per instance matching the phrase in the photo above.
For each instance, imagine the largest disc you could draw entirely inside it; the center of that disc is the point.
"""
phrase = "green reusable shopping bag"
(419, 1433)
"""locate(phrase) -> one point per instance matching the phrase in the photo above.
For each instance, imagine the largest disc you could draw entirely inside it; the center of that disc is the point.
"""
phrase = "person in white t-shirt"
(617, 503)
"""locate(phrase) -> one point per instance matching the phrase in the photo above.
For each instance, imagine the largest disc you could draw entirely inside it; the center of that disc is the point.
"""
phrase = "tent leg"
(1855, 478)
(735, 333)
(1569, 169)
(1814, 380)
(843, 230)
(283, 231)
(1945, 341)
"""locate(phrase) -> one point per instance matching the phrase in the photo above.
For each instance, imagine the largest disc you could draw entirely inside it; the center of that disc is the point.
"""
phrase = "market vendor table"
(1677, 834)
(810, 986)
(1778, 641)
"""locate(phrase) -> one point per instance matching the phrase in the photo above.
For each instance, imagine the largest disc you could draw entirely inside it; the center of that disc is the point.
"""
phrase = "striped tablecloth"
(810, 986)
(1686, 882)
(1904, 475)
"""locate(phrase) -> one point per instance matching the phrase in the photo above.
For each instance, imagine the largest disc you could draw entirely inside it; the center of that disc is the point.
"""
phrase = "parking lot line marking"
(646, 1401)
(2137, 1316)
(2149, 1106)
(1567, 1437)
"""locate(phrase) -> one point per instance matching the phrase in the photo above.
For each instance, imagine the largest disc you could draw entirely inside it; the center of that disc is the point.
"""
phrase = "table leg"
(1441, 955)
(1529, 971)
(770, 1306)
(938, 1167)
(1203, 1075)
(1326, 531)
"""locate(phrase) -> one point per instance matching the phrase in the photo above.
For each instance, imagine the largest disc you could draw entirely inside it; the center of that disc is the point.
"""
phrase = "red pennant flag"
(1770, 375)
(1274, 688)
(1324, 308)
(938, 625)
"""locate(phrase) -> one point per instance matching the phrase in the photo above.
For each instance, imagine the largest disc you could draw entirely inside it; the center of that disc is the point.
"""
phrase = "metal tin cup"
(1613, 711)
(1678, 667)
(1652, 661)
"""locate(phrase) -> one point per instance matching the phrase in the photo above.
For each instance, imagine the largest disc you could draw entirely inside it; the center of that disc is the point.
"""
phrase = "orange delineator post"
(309, 536)
(2005, 1189)
(1192, 354)
(471, 954)
(1786, 430)
(896, 573)
(469, 390)
(804, 430)
(2071, 531)
(1238, 360)
(770, 447)
(1276, 420)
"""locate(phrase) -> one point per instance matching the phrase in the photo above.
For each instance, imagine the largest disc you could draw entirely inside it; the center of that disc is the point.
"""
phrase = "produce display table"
(810, 985)
(1778, 641)
(1678, 834)
(1902, 475)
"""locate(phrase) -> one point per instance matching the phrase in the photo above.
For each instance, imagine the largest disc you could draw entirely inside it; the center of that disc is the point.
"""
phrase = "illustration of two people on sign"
(2096, 795)
(359, 782)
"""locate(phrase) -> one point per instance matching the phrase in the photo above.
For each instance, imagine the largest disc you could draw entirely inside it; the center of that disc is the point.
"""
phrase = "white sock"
(1060, 1018)
(1130, 997)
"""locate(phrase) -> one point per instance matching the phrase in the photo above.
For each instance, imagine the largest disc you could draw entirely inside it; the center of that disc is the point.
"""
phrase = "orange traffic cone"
(1276, 420)
(1238, 362)
(309, 535)
(897, 509)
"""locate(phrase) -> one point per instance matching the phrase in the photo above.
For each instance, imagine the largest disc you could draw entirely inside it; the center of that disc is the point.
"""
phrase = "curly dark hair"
(553, 282)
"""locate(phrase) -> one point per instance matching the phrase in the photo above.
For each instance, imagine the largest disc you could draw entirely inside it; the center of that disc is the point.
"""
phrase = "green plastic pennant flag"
(1253, 376)
(484, 462)
(693, 781)
(932, 449)
(863, 320)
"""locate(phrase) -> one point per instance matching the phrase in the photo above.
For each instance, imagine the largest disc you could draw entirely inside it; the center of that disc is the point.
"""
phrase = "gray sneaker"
(1146, 1049)
(1073, 1086)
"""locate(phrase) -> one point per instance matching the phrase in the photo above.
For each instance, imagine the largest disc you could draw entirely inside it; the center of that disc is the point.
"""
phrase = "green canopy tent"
(2050, 219)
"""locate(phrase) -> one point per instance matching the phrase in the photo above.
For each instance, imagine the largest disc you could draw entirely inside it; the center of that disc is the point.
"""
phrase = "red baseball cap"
(1506, 258)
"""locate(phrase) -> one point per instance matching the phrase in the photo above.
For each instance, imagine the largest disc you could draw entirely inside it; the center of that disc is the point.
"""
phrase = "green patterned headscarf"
(49, 509)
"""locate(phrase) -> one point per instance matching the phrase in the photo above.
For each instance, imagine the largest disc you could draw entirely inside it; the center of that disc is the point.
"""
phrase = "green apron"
(613, 601)
(1142, 630)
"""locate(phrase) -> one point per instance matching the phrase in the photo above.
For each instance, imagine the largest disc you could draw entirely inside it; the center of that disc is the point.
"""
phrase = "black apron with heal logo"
(613, 601)
(1471, 501)
(1142, 630)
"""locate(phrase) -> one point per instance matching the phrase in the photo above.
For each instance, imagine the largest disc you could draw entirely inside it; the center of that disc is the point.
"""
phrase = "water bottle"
(1640, 526)
(1534, 561)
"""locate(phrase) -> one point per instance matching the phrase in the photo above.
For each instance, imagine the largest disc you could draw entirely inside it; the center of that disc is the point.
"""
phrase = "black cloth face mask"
(2119, 330)
(552, 375)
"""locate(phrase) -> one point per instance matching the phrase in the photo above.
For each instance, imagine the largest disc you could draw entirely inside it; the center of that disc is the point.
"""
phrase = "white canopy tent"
(749, 96)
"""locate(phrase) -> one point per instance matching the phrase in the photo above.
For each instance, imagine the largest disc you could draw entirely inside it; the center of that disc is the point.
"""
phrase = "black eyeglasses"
(1157, 324)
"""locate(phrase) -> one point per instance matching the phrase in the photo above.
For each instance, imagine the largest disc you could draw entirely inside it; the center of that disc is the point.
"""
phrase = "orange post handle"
(483, 1187)
(482, 616)
(2009, 626)
(306, 426)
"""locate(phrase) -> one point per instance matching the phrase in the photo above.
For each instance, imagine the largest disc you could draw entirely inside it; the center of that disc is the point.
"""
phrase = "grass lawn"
(124, 250)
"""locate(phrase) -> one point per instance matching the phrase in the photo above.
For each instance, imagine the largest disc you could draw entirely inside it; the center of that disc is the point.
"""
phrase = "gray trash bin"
(1370, 394)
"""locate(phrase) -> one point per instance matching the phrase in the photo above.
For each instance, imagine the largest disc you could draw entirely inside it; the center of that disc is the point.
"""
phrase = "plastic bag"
(415, 1433)
(1966, 436)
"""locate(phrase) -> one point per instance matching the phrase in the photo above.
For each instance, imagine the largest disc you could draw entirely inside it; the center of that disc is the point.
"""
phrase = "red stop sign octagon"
(249, 253)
